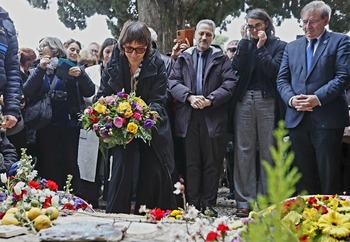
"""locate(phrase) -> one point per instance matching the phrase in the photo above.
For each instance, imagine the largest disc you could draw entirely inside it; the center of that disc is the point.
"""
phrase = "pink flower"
(110, 99)
(95, 127)
(118, 122)
(137, 116)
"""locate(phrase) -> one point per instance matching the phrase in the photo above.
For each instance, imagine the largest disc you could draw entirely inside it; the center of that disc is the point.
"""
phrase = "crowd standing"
(214, 104)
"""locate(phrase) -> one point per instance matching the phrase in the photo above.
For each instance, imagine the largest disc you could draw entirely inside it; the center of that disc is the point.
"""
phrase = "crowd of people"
(214, 105)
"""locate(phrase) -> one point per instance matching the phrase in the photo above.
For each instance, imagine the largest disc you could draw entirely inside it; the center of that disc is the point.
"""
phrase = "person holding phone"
(57, 143)
(254, 107)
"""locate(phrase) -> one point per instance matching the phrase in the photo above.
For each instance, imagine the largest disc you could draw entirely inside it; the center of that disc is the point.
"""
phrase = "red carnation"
(157, 213)
(312, 200)
(94, 120)
(34, 185)
(212, 236)
(47, 202)
(51, 185)
(222, 228)
(321, 208)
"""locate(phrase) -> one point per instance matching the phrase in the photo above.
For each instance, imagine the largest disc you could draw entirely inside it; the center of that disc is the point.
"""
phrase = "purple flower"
(148, 124)
(2, 196)
(118, 122)
(120, 94)
(104, 133)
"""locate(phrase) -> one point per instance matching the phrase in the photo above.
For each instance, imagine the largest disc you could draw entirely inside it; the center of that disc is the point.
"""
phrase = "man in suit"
(202, 82)
(312, 82)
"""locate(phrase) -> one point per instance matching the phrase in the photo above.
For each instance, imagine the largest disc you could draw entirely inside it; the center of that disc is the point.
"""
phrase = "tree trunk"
(152, 12)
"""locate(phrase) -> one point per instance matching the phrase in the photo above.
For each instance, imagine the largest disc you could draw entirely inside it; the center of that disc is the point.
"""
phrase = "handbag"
(38, 114)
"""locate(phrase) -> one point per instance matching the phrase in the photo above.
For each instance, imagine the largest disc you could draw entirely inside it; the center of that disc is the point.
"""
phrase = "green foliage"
(282, 178)
(220, 40)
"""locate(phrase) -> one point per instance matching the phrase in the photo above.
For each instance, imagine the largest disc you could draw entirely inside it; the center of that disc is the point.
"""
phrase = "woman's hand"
(244, 31)
(44, 61)
(74, 71)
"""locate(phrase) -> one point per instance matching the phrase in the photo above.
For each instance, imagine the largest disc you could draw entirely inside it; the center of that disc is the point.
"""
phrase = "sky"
(33, 24)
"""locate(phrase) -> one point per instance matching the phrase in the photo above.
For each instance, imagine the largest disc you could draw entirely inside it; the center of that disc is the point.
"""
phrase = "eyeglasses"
(139, 50)
(41, 47)
(257, 26)
(311, 22)
(232, 49)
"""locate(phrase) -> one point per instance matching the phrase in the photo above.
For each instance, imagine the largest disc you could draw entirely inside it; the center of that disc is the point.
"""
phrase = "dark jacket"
(218, 85)
(8, 154)
(9, 66)
(265, 61)
(64, 113)
(151, 87)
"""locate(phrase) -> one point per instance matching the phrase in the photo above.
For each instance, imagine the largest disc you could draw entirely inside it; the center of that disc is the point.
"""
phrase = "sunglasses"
(258, 26)
(232, 49)
(139, 50)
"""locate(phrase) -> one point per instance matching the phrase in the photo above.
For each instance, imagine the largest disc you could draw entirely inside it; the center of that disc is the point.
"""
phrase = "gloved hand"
(13, 169)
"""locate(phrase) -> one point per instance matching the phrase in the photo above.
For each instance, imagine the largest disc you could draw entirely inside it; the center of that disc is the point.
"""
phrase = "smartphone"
(182, 34)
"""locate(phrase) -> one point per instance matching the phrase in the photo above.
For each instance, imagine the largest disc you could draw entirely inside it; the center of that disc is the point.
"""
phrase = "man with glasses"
(202, 82)
(231, 48)
(312, 82)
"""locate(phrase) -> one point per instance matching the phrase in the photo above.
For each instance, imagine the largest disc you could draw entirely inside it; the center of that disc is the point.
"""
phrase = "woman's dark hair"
(106, 42)
(135, 31)
(259, 13)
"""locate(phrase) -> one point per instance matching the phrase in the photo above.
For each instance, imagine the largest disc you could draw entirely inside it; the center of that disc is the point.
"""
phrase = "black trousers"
(317, 156)
(57, 155)
(204, 158)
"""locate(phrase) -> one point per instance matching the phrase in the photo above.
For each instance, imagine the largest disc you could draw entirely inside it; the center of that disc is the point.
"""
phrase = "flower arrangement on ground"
(117, 119)
(24, 197)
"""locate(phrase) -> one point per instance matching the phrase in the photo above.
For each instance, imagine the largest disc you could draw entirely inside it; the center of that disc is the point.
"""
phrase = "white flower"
(143, 209)
(179, 188)
(64, 200)
(192, 212)
(3, 177)
(18, 188)
(55, 200)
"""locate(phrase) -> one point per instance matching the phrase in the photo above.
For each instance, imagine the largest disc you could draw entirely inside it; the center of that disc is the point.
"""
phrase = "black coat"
(266, 62)
(152, 88)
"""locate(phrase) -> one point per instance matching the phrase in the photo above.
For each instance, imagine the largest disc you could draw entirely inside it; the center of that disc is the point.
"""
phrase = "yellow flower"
(128, 114)
(333, 203)
(140, 101)
(124, 107)
(309, 228)
(311, 214)
(100, 108)
(132, 128)
(335, 224)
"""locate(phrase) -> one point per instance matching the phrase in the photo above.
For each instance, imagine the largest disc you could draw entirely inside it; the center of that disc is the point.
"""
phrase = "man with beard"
(202, 81)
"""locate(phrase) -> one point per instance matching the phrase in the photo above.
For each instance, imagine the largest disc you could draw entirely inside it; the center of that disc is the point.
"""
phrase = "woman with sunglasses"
(141, 172)
(254, 110)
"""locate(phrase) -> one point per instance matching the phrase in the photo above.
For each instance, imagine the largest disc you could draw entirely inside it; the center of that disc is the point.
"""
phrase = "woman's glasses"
(139, 50)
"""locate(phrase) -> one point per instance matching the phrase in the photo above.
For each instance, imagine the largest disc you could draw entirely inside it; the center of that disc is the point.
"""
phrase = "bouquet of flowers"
(117, 119)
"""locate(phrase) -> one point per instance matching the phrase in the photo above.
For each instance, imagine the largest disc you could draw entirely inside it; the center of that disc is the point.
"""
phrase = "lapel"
(320, 49)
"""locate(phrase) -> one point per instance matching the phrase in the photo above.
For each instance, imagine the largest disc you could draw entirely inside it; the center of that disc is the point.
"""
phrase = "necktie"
(310, 54)
(199, 74)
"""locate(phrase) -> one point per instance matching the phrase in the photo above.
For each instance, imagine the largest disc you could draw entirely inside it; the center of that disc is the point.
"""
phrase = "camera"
(58, 95)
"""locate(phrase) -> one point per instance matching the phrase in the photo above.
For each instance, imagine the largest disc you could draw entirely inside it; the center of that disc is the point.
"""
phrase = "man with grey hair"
(312, 82)
(202, 82)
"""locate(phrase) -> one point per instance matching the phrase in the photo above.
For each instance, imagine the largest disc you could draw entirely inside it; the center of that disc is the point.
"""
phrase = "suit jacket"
(327, 79)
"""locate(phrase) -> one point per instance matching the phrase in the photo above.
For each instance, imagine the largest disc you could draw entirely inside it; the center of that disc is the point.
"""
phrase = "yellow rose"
(140, 101)
(100, 108)
(132, 128)
(128, 114)
(123, 107)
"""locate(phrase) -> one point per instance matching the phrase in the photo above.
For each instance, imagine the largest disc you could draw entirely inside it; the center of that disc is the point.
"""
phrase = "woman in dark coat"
(140, 172)
(255, 105)
(57, 143)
